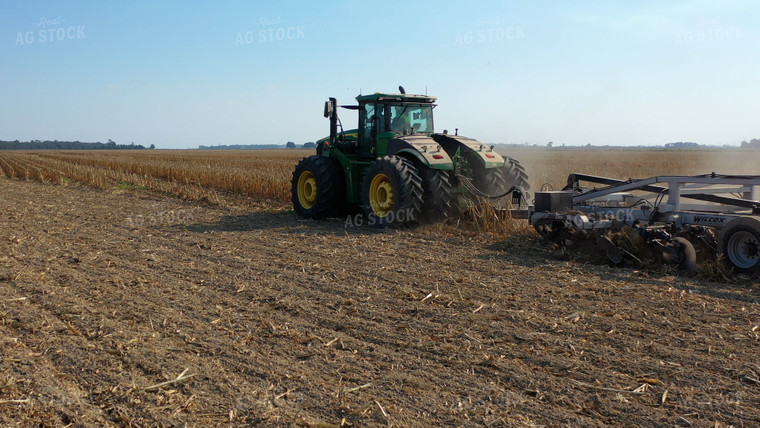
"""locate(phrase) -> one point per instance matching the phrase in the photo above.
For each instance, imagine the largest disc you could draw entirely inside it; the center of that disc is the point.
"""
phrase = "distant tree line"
(292, 145)
(241, 147)
(288, 145)
(68, 145)
(682, 145)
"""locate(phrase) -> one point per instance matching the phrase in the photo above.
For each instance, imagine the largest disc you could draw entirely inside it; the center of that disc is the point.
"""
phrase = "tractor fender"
(470, 148)
(423, 149)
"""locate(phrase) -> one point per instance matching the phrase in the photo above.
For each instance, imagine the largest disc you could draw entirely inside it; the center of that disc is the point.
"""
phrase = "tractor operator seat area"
(406, 118)
(398, 118)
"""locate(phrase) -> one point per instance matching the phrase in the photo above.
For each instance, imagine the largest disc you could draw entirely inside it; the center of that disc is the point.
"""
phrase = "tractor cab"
(384, 116)
(381, 118)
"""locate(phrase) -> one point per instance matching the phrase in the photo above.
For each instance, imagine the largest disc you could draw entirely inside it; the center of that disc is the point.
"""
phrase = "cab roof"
(404, 98)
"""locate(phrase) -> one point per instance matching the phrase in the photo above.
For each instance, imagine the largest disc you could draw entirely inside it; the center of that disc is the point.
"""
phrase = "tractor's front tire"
(392, 193)
(317, 187)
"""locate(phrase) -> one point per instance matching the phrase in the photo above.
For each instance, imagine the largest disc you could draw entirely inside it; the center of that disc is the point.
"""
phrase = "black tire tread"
(407, 185)
(330, 187)
(515, 174)
(436, 198)
(495, 181)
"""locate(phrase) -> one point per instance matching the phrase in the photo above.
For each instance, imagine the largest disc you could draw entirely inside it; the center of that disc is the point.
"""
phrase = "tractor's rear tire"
(496, 181)
(436, 198)
(317, 188)
(392, 193)
(740, 243)
(515, 175)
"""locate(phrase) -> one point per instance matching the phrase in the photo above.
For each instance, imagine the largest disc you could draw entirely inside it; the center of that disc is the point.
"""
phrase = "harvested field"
(246, 175)
(206, 176)
(151, 297)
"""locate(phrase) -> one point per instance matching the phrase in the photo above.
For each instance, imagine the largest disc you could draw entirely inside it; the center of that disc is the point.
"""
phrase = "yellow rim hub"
(381, 195)
(307, 189)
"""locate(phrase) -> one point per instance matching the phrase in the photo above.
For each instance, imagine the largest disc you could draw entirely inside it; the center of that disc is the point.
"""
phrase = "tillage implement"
(679, 217)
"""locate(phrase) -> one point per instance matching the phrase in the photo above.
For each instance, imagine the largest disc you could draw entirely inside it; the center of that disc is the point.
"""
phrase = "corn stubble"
(195, 175)
(264, 175)
(488, 219)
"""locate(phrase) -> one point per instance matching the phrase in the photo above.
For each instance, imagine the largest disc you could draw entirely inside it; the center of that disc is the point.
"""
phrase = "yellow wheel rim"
(307, 189)
(381, 195)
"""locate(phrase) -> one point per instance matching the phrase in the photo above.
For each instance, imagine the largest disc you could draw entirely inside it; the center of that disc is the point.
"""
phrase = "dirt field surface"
(123, 308)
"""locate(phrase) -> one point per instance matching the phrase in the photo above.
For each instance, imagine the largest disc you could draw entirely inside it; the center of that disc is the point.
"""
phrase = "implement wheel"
(685, 257)
(392, 193)
(740, 243)
(317, 188)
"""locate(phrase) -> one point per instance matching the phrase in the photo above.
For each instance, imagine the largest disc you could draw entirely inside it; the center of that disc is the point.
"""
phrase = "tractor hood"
(470, 148)
(422, 147)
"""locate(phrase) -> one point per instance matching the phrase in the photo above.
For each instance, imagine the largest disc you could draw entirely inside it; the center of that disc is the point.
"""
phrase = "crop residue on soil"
(206, 316)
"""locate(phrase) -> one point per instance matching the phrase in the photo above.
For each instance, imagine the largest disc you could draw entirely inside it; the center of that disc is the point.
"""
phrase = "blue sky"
(180, 74)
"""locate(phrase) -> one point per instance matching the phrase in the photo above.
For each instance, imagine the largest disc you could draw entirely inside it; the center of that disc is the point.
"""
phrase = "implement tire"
(740, 244)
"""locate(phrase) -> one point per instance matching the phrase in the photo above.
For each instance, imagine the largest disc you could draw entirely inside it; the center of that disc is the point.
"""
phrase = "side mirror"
(328, 108)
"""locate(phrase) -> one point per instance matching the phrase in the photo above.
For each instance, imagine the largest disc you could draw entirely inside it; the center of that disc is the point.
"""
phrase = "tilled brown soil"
(127, 309)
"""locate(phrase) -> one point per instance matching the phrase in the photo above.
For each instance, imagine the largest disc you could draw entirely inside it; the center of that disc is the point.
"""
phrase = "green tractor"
(397, 169)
